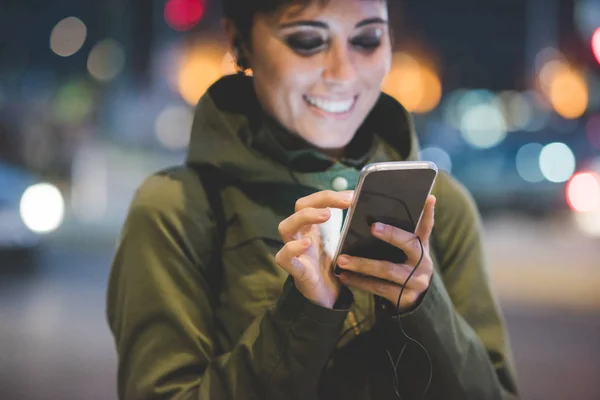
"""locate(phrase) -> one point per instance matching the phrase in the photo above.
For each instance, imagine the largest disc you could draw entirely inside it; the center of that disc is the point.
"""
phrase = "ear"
(237, 46)
(230, 31)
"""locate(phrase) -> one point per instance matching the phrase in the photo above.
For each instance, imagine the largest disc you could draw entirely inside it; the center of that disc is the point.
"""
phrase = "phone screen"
(393, 197)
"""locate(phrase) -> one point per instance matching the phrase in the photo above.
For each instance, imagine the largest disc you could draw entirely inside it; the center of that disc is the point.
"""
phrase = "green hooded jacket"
(200, 310)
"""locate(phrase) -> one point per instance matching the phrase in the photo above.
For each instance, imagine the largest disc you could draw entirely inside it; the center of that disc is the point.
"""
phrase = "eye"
(305, 44)
(368, 41)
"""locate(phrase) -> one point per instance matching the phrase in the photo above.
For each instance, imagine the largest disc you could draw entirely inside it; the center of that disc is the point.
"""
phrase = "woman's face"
(318, 70)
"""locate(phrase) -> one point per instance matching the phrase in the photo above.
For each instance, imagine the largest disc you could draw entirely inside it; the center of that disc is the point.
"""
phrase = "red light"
(596, 44)
(183, 15)
(583, 192)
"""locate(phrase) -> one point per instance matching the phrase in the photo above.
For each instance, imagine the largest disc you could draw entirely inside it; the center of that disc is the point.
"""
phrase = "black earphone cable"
(395, 364)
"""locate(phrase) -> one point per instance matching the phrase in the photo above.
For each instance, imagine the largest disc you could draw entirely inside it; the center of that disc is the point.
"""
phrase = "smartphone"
(393, 193)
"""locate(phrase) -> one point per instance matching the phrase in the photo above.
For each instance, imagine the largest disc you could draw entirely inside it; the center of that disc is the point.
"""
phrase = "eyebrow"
(323, 25)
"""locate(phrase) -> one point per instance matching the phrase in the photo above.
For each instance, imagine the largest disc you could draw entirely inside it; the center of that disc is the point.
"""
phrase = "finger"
(325, 199)
(406, 241)
(387, 290)
(289, 227)
(395, 273)
(427, 221)
(287, 257)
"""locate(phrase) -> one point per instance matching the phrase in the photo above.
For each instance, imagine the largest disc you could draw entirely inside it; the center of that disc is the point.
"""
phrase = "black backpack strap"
(211, 180)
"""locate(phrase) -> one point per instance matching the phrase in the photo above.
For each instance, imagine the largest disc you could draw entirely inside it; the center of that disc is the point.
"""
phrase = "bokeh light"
(517, 110)
(528, 162)
(565, 88)
(483, 126)
(200, 68)
(68, 36)
(583, 192)
(415, 85)
(106, 60)
(450, 107)
(183, 15)
(596, 43)
(439, 156)
(546, 56)
(42, 208)
(73, 102)
(557, 162)
(173, 127)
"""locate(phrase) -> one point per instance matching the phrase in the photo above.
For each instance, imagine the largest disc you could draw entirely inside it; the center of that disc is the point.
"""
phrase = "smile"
(337, 107)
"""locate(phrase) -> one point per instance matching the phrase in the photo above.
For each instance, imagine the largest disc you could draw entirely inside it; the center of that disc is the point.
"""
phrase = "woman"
(219, 289)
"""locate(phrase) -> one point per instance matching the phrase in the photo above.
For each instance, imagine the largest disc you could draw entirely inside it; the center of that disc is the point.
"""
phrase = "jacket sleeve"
(160, 310)
(458, 320)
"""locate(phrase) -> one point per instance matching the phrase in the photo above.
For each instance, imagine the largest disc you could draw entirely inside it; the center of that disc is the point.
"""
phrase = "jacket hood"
(232, 133)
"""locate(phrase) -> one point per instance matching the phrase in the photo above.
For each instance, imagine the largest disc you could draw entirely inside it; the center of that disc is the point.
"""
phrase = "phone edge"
(365, 171)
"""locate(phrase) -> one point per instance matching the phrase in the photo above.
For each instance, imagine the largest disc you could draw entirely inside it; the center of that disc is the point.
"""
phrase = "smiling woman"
(318, 71)
(222, 287)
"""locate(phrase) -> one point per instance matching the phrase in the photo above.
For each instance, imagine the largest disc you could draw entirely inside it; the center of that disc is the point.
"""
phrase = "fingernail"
(378, 228)
(324, 213)
(343, 260)
(348, 196)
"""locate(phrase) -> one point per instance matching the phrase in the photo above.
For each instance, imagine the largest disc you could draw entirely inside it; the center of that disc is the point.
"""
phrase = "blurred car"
(29, 210)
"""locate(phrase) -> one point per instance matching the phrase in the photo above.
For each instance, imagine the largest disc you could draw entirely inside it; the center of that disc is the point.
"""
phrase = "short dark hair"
(242, 12)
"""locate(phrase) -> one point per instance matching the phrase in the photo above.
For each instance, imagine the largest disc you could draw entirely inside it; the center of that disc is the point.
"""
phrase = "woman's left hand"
(385, 279)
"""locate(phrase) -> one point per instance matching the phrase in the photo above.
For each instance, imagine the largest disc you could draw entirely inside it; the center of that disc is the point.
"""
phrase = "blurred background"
(96, 95)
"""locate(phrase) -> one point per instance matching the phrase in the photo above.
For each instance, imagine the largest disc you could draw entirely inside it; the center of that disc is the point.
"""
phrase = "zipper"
(353, 323)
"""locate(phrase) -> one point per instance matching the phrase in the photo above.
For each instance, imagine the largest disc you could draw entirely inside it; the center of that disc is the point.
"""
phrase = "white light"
(528, 162)
(589, 222)
(483, 126)
(439, 156)
(42, 208)
(583, 192)
(450, 108)
(68, 36)
(557, 162)
(106, 60)
(173, 127)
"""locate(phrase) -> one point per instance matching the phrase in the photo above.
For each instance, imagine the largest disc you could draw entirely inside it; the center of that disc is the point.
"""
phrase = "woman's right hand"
(302, 256)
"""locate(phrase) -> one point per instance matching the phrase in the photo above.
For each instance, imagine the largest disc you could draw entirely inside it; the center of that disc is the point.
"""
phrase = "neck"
(336, 154)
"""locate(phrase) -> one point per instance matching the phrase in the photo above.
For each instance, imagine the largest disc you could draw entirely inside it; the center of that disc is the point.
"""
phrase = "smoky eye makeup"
(368, 40)
(306, 43)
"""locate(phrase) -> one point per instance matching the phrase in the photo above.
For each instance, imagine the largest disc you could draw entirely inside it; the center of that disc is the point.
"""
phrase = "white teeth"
(337, 107)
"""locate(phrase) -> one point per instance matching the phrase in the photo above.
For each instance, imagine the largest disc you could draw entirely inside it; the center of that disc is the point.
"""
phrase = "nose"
(339, 67)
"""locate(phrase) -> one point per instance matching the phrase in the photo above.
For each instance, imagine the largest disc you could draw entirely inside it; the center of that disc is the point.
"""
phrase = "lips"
(331, 106)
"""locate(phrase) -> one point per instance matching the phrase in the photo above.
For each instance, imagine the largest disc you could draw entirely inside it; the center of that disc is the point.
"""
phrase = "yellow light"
(413, 84)
(568, 92)
(200, 68)
(432, 91)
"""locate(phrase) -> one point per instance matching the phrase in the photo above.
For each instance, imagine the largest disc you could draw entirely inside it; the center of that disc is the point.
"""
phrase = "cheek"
(283, 81)
(373, 68)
